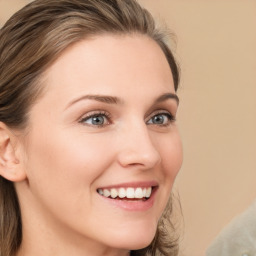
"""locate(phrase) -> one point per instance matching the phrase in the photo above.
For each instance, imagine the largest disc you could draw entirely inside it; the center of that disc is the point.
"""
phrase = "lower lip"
(132, 205)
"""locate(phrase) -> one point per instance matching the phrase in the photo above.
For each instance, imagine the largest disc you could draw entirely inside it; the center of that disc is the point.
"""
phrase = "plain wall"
(216, 49)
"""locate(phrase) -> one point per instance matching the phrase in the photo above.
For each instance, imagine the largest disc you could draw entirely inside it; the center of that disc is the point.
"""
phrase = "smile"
(126, 193)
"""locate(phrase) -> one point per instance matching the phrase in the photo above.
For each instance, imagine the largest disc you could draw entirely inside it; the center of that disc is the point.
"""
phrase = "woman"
(89, 145)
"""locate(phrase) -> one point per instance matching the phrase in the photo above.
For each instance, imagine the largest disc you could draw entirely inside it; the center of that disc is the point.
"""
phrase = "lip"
(142, 184)
(134, 205)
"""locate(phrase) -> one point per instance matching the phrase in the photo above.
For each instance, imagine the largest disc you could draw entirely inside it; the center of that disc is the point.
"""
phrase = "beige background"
(216, 49)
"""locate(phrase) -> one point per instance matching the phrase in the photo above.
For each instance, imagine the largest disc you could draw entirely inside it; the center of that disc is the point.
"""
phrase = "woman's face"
(104, 125)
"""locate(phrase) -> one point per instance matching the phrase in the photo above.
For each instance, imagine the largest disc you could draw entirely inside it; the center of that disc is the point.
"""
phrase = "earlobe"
(10, 165)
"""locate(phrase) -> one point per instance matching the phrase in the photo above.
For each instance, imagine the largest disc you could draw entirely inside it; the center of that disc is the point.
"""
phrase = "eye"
(96, 119)
(162, 119)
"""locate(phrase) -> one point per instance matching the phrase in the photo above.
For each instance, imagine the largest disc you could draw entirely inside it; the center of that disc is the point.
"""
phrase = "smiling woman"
(89, 148)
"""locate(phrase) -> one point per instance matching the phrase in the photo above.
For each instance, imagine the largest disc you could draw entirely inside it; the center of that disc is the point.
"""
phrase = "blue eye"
(161, 119)
(99, 119)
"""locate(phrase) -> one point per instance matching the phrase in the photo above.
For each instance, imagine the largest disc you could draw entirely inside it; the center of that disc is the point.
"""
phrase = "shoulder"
(238, 237)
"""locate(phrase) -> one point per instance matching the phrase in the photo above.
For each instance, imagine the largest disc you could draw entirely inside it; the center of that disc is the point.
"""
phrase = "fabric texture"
(238, 238)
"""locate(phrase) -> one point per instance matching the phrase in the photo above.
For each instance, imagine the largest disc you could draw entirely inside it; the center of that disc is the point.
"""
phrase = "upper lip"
(140, 184)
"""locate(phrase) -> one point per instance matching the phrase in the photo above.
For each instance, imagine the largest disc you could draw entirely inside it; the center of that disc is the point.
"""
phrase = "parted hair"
(30, 41)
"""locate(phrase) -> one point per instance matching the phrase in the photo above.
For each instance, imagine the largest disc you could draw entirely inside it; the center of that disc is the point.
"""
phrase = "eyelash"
(107, 116)
(171, 118)
(96, 114)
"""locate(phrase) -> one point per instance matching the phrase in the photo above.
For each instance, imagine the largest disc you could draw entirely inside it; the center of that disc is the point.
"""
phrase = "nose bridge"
(138, 147)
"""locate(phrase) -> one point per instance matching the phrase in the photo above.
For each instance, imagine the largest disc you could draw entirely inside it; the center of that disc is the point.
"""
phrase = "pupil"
(98, 120)
(158, 119)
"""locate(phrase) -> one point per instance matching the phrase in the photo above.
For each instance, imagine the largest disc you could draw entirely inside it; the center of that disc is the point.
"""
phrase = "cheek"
(65, 163)
(171, 153)
(169, 147)
(62, 170)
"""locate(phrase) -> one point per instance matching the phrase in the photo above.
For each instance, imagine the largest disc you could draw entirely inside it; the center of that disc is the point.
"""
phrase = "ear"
(11, 167)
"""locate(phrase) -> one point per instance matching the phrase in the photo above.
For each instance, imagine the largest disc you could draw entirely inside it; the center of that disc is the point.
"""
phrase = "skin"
(64, 157)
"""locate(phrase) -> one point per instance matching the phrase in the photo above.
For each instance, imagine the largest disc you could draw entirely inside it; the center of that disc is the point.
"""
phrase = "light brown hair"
(30, 41)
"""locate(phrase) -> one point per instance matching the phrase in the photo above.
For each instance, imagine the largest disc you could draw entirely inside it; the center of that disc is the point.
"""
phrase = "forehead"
(107, 63)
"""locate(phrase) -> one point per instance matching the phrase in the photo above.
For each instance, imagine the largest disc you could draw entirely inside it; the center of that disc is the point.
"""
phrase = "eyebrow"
(100, 98)
(167, 96)
(115, 100)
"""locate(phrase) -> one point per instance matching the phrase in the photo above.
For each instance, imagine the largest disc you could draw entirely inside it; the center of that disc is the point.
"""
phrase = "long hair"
(30, 41)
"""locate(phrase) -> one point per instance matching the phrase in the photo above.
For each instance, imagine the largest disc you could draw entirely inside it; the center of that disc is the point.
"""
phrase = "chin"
(132, 245)
(141, 244)
(135, 239)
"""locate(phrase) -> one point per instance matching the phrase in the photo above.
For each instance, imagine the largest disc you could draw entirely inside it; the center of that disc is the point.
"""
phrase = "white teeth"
(122, 193)
(148, 193)
(130, 193)
(138, 193)
(126, 192)
(144, 192)
(106, 193)
(113, 193)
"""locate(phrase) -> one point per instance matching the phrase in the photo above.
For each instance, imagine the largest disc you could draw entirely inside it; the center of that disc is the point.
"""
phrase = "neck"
(42, 250)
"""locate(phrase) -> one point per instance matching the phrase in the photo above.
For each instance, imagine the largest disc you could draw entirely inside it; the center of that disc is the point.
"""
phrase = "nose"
(137, 149)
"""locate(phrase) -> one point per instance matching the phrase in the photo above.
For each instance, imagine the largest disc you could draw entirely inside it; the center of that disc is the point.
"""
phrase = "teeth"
(148, 192)
(106, 193)
(113, 193)
(130, 193)
(126, 192)
(144, 192)
(138, 193)
(122, 193)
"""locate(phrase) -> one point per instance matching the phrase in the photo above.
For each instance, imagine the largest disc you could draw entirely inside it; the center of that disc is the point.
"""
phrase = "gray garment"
(238, 238)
